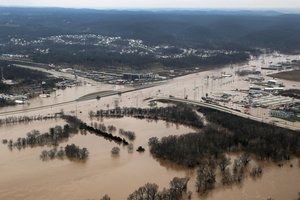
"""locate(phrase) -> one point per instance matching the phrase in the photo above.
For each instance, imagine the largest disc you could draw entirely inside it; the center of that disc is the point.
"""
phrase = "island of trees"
(72, 152)
(34, 138)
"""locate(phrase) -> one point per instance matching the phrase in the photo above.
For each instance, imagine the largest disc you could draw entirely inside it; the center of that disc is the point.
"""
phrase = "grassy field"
(290, 75)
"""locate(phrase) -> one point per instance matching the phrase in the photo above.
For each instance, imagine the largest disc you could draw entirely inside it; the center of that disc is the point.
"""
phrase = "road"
(126, 90)
(116, 92)
(58, 74)
(87, 97)
(42, 67)
(226, 110)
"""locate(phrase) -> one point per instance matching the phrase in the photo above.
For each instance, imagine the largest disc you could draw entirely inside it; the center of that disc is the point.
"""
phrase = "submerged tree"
(146, 192)
(140, 149)
(256, 171)
(206, 178)
(70, 151)
(115, 151)
(178, 187)
(74, 152)
(224, 162)
(105, 197)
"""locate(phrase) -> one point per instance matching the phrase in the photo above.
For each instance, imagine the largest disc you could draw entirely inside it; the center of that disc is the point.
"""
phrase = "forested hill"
(197, 29)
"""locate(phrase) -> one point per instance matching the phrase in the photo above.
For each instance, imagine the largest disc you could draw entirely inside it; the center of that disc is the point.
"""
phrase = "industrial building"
(273, 101)
(280, 114)
(136, 76)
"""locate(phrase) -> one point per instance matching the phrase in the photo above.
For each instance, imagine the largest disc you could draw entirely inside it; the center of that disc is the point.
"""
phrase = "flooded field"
(275, 183)
(28, 177)
(25, 176)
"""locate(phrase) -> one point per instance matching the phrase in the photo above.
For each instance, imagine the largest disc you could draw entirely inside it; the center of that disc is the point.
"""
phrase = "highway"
(87, 97)
(226, 110)
(57, 73)
(101, 94)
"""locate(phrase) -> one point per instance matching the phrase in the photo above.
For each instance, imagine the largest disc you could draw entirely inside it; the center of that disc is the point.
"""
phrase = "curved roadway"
(227, 110)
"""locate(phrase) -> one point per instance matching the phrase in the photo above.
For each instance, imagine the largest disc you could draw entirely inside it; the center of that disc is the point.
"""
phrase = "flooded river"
(24, 176)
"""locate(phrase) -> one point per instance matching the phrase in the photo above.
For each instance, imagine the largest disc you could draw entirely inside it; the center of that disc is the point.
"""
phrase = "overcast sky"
(156, 3)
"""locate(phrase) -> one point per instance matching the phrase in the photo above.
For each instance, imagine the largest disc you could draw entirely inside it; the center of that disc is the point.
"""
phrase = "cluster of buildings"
(17, 99)
(14, 56)
(67, 83)
(83, 39)
(272, 101)
(186, 52)
(117, 44)
(264, 93)
(114, 78)
(261, 87)
(142, 76)
(291, 112)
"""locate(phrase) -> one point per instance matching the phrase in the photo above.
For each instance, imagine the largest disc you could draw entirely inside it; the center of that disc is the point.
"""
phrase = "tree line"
(130, 135)
(109, 136)
(228, 133)
(266, 141)
(84, 126)
(27, 119)
(182, 114)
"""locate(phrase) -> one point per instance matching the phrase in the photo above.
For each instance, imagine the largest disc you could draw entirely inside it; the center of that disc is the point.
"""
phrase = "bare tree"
(224, 163)
(105, 197)
(146, 192)
(206, 179)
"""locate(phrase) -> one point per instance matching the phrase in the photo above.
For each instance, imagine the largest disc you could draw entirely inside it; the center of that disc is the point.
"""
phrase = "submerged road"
(88, 97)
(226, 110)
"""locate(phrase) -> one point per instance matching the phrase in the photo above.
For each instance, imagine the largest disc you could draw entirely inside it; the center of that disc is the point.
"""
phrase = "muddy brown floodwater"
(24, 176)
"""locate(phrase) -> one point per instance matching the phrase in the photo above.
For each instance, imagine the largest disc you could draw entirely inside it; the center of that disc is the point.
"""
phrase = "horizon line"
(157, 8)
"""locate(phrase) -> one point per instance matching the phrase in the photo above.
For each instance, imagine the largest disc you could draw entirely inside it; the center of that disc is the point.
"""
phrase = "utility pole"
(196, 93)
(76, 109)
(194, 90)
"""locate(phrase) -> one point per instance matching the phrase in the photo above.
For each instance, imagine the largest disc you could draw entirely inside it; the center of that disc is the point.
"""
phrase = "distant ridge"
(208, 11)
